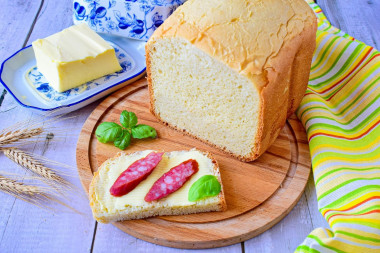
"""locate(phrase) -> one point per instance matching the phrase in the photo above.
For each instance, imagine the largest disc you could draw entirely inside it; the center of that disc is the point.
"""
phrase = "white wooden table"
(26, 228)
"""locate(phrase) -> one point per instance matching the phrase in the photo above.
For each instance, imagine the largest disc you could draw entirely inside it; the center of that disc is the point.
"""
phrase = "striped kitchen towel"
(341, 115)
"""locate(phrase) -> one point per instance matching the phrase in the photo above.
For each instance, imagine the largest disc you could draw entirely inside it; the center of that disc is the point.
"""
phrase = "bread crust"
(281, 81)
(99, 215)
(285, 85)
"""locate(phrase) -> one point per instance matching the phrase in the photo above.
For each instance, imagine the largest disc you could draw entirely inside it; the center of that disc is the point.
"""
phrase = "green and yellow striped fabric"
(341, 115)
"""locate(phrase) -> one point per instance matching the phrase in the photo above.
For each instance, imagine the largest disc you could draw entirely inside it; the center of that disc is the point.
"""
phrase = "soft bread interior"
(107, 208)
(196, 93)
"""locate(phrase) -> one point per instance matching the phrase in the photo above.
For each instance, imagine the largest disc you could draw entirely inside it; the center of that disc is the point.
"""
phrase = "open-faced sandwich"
(150, 183)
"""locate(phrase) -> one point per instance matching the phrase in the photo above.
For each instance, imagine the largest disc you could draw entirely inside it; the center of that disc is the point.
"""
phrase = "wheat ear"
(15, 136)
(34, 194)
(28, 162)
(30, 193)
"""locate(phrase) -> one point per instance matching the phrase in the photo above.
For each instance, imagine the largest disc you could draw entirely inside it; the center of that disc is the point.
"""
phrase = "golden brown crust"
(281, 76)
(92, 196)
(286, 85)
(244, 35)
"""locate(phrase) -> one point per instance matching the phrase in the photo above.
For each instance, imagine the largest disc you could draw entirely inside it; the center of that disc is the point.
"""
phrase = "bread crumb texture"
(205, 97)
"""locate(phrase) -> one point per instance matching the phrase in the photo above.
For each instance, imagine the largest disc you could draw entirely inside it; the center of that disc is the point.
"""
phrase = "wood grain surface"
(26, 228)
(246, 185)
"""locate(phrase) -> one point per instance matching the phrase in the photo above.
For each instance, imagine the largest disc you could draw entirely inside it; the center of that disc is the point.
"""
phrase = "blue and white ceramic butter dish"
(136, 19)
(20, 76)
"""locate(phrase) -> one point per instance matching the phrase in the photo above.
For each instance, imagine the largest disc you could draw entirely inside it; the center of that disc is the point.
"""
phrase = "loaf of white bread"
(108, 208)
(230, 72)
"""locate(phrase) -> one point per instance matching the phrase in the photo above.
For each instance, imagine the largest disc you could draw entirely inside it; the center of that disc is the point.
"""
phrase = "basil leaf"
(206, 186)
(123, 141)
(143, 131)
(128, 119)
(108, 132)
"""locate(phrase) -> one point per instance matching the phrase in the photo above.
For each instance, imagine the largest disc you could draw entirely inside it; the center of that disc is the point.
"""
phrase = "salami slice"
(134, 174)
(172, 180)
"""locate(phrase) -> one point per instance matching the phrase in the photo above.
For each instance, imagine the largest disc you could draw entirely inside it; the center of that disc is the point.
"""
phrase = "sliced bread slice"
(107, 208)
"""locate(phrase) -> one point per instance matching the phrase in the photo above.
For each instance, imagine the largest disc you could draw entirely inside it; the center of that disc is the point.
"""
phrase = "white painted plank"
(34, 229)
(17, 20)
(286, 235)
(54, 17)
(38, 230)
(112, 240)
(317, 219)
(359, 18)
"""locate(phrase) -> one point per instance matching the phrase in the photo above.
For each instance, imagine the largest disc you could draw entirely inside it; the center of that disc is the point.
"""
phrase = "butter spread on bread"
(107, 208)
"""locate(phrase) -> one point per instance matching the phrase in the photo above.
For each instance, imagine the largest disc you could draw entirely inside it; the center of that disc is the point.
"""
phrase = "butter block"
(74, 56)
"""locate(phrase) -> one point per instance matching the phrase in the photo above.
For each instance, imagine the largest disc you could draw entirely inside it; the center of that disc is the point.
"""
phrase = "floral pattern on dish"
(136, 19)
(37, 80)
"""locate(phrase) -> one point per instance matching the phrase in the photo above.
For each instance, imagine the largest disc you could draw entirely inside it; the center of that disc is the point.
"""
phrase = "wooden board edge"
(292, 191)
(84, 164)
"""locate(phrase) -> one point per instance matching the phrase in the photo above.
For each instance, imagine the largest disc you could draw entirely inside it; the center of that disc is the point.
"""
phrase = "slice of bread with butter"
(109, 208)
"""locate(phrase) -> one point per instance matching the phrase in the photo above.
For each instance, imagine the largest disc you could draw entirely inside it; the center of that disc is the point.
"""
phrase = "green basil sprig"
(206, 186)
(121, 135)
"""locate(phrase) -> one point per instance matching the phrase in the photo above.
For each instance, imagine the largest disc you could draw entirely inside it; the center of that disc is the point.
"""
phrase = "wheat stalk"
(29, 131)
(15, 136)
(30, 193)
(12, 186)
(33, 194)
(25, 133)
(28, 162)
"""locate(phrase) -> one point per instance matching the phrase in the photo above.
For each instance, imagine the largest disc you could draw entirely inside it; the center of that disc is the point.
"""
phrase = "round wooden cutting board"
(258, 194)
